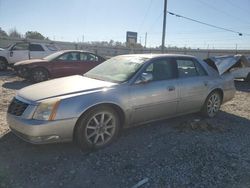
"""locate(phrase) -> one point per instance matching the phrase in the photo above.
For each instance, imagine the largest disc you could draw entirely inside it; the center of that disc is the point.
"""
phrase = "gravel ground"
(179, 152)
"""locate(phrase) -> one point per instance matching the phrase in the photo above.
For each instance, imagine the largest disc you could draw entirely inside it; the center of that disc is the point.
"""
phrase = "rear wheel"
(97, 128)
(212, 104)
(3, 65)
(39, 75)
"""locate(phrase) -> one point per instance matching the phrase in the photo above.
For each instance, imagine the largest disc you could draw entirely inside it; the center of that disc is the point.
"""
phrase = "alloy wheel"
(100, 128)
(213, 104)
(39, 76)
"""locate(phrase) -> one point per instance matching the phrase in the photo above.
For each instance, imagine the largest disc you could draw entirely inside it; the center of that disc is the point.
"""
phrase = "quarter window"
(52, 47)
(186, 68)
(200, 69)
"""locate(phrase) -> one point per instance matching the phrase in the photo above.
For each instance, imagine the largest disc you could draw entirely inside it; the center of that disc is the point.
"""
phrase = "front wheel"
(39, 75)
(97, 128)
(212, 104)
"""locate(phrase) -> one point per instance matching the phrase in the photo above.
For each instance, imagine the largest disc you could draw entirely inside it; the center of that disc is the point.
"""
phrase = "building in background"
(131, 39)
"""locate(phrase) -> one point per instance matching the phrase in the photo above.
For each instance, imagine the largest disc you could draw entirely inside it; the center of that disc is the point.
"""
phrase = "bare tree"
(3, 33)
(13, 33)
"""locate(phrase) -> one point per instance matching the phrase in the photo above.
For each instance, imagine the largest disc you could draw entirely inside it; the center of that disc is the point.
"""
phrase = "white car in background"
(237, 65)
(23, 51)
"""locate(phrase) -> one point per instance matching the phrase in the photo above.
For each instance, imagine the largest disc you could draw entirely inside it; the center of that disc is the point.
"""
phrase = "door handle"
(171, 88)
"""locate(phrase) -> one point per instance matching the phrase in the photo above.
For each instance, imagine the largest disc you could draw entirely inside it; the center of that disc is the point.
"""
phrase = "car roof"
(64, 51)
(150, 56)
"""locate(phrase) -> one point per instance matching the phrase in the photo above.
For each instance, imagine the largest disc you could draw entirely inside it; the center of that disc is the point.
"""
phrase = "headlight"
(46, 110)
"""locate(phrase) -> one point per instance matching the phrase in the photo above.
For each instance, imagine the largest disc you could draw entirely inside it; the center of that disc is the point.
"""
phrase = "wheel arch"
(4, 59)
(40, 67)
(220, 91)
(116, 107)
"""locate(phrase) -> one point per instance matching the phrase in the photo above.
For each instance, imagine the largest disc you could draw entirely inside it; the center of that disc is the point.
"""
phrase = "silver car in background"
(123, 91)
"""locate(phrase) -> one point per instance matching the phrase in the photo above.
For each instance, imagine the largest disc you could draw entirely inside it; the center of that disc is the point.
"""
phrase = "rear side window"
(88, 57)
(36, 47)
(186, 68)
(69, 57)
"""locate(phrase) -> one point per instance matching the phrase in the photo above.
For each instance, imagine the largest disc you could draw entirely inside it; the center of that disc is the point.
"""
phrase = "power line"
(207, 24)
(145, 15)
(223, 12)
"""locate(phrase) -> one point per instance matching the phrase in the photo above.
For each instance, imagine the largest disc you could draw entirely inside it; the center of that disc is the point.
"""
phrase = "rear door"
(158, 98)
(66, 64)
(87, 62)
(193, 81)
(19, 52)
(36, 51)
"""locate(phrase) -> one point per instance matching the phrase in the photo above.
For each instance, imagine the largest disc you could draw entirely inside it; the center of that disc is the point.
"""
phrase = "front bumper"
(41, 132)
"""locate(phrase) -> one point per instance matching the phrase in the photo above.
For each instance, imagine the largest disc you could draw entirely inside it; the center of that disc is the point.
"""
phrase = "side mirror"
(11, 53)
(144, 78)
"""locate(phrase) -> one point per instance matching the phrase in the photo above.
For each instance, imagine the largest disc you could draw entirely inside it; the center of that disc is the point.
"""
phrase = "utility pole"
(146, 40)
(164, 26)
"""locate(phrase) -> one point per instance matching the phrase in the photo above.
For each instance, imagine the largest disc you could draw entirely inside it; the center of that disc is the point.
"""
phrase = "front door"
(19, 52)
(158, 98)
(37, 51)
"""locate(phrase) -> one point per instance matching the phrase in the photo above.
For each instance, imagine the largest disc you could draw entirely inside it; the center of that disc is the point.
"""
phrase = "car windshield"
(53, 56)
(117, 69)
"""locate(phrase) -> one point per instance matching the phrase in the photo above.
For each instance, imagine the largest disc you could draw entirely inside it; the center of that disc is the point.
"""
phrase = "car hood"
(224, 63)
(26, 62)
(61, 87)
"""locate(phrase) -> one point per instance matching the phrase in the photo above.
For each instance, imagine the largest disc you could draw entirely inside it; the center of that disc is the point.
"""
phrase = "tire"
(39, 75)
(22, 72)
(212, 104)
(97, 128)
(3, 65)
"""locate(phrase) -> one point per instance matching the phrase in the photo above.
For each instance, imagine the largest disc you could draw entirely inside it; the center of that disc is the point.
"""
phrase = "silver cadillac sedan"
(123, 91)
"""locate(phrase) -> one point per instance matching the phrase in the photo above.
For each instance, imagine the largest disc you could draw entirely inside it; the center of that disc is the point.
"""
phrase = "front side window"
(163, 69)
(71, 56)
(186, 68)
(21, 46)
(36, 47)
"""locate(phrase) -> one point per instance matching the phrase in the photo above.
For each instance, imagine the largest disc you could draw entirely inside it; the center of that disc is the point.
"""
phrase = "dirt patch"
(187, 151)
